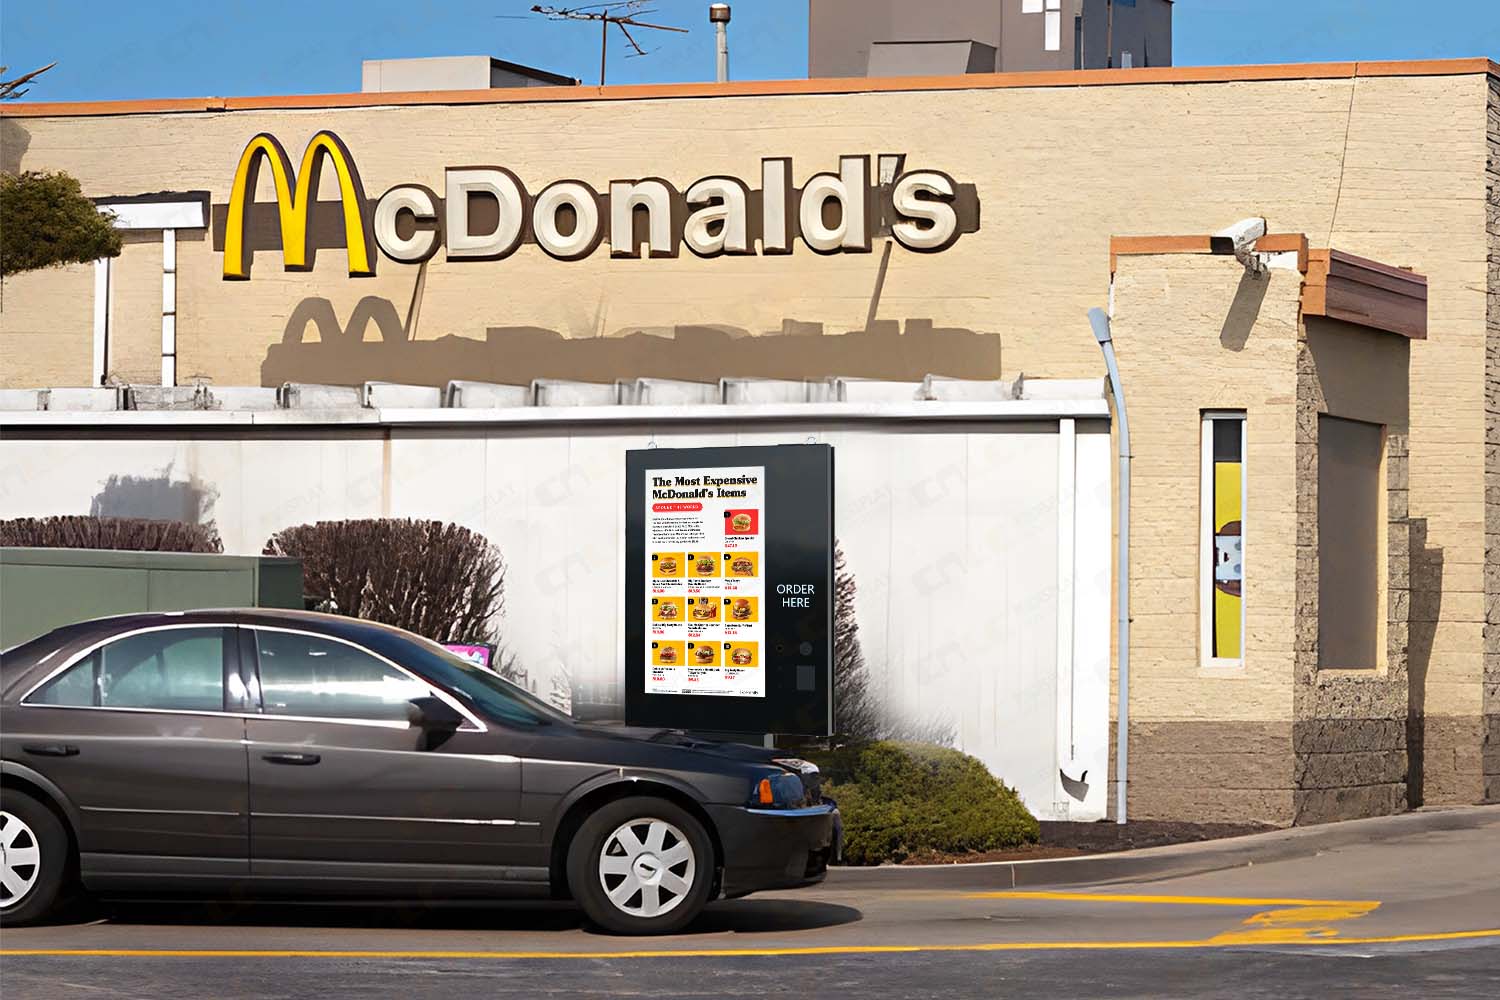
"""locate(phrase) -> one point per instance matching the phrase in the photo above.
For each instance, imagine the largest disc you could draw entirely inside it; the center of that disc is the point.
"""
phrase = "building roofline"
(766, 88)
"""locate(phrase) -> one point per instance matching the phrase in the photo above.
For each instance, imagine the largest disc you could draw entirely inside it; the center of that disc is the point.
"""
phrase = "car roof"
(86, 633)
(18, 661)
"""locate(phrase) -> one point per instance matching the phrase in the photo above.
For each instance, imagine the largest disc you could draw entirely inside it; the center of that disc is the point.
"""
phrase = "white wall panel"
(951, 530)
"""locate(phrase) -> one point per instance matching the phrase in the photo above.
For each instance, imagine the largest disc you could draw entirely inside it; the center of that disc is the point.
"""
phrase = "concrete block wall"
(1490, 757)
(1274, 739)
(1195, 333)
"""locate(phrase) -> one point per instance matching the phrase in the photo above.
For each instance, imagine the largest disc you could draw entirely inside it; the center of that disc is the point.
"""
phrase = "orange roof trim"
(1359, 290)
(764, 88)
(1144, 245)
(1337, 285)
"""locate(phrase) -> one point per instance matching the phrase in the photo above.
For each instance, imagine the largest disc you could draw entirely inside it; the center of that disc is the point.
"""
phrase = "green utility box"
(41, 589)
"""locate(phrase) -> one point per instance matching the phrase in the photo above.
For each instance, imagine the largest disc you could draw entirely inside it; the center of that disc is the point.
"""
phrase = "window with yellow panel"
(1223, 489)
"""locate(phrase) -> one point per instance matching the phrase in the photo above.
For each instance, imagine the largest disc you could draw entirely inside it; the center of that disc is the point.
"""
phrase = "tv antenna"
(621, 15)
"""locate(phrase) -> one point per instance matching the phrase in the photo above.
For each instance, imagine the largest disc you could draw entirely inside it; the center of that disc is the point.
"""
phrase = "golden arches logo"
(294, 197)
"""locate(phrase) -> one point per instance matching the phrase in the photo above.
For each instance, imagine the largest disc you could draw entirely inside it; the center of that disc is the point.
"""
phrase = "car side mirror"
(437, 719)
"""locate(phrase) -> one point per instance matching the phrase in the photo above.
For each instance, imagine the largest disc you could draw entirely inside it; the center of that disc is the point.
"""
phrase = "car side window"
(74, 687)
(175, 669)
(308, 675)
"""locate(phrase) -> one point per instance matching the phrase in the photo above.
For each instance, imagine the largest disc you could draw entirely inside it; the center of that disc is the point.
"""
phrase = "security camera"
(1239, 239)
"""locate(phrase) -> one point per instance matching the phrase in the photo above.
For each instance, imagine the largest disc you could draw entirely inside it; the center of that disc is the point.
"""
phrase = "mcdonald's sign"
(486, 212)
(294, 196)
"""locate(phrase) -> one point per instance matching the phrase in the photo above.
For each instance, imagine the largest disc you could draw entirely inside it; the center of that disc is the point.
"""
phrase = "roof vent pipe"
(718, 15)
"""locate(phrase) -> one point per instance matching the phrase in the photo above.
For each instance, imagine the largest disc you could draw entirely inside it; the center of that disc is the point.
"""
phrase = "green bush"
(909, 799)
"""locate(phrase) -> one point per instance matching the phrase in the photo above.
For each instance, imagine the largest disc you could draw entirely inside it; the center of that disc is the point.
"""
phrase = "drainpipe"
(1099, 321)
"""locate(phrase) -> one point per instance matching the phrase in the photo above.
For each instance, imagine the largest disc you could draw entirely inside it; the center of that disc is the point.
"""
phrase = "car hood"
(677, 738)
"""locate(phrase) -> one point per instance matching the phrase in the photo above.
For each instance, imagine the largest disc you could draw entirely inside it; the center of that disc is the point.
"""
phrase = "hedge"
(82, 531)
(901, 800)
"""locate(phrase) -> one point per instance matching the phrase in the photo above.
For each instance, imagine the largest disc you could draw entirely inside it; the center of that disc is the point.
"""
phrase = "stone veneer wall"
(1349, 736)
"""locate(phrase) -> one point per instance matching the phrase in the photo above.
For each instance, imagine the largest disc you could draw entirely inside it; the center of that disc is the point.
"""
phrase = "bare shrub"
(82, 531)
(439, 580)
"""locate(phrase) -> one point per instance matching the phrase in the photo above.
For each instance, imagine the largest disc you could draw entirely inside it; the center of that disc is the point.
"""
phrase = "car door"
(341, 784)
(143, 734)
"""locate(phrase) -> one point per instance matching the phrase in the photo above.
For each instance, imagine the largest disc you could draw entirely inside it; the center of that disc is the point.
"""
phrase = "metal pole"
(1099, 321)
(719, 14)
(603, 45)
(1109, 33)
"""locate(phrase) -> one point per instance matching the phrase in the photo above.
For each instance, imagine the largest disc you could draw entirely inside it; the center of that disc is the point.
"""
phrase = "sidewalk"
(1163, 862)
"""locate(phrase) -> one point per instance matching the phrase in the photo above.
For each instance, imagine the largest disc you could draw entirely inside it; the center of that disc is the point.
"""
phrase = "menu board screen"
(705, 582)
(728, 589)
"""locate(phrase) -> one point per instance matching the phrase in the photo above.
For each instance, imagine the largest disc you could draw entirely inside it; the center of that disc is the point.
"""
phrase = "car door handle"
(296, 759)
(51, 749)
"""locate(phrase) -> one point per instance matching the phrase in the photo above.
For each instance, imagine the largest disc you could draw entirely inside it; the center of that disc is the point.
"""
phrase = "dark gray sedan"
(238, 753)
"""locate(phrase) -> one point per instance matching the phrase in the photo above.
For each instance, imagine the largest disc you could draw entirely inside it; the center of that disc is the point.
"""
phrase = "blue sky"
(191, 48)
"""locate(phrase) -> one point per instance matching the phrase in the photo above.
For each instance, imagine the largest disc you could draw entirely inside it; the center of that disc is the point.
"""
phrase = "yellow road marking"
(737, 952)
(1292, 921)
(1104, 897)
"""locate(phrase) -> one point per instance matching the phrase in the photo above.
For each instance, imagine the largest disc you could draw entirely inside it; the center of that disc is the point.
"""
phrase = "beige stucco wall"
(1392, 168)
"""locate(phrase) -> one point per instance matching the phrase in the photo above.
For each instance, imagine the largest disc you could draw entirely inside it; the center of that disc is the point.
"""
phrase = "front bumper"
(776, 848)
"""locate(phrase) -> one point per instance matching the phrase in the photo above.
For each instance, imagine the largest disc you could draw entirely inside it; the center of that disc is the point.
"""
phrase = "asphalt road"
(1409, 911)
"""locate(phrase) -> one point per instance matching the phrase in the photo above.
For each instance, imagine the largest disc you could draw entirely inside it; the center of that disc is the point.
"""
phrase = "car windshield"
(492, 694)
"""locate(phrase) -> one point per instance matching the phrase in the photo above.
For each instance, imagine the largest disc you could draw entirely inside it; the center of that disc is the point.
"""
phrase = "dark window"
(1349, 509)
(74, 686)
(179, 669)
(489, 693)
(308, 675)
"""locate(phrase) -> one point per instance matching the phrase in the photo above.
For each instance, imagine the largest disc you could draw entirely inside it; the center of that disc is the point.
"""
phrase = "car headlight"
(778, 791)
(797, 764)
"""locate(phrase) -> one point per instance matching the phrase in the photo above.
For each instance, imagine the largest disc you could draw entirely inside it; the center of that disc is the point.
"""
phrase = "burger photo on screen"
(742, 567)
(740, 522)
(740, 609)
(666, 611)
(703, 654)
(667, 565)
(667, 654)
(704, 612)
(740, 656)
(705, 565)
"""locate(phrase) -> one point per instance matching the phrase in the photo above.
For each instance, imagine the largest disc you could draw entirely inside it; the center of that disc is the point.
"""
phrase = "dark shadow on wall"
(158, 498)
(342, 354)
(1426, 603)
(1243, 311)
(14, 141)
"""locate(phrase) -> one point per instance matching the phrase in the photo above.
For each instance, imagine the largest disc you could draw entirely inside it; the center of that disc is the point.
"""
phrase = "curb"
(1165, 862)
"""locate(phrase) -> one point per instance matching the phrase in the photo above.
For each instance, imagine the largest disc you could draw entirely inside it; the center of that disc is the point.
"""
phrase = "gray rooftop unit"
(384, 76)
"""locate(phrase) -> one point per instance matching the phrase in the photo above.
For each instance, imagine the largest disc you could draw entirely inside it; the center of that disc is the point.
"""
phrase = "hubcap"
(646, 867)
(20, 859)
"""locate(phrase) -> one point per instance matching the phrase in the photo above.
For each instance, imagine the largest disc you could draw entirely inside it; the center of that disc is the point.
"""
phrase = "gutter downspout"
(1099, 321)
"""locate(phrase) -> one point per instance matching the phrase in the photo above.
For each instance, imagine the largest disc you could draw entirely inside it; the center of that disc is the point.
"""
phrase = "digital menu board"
(729, 586)
(704, 582)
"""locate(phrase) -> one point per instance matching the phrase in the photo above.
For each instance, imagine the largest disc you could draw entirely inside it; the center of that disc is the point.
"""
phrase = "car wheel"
(34, 860)
(641, 866)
